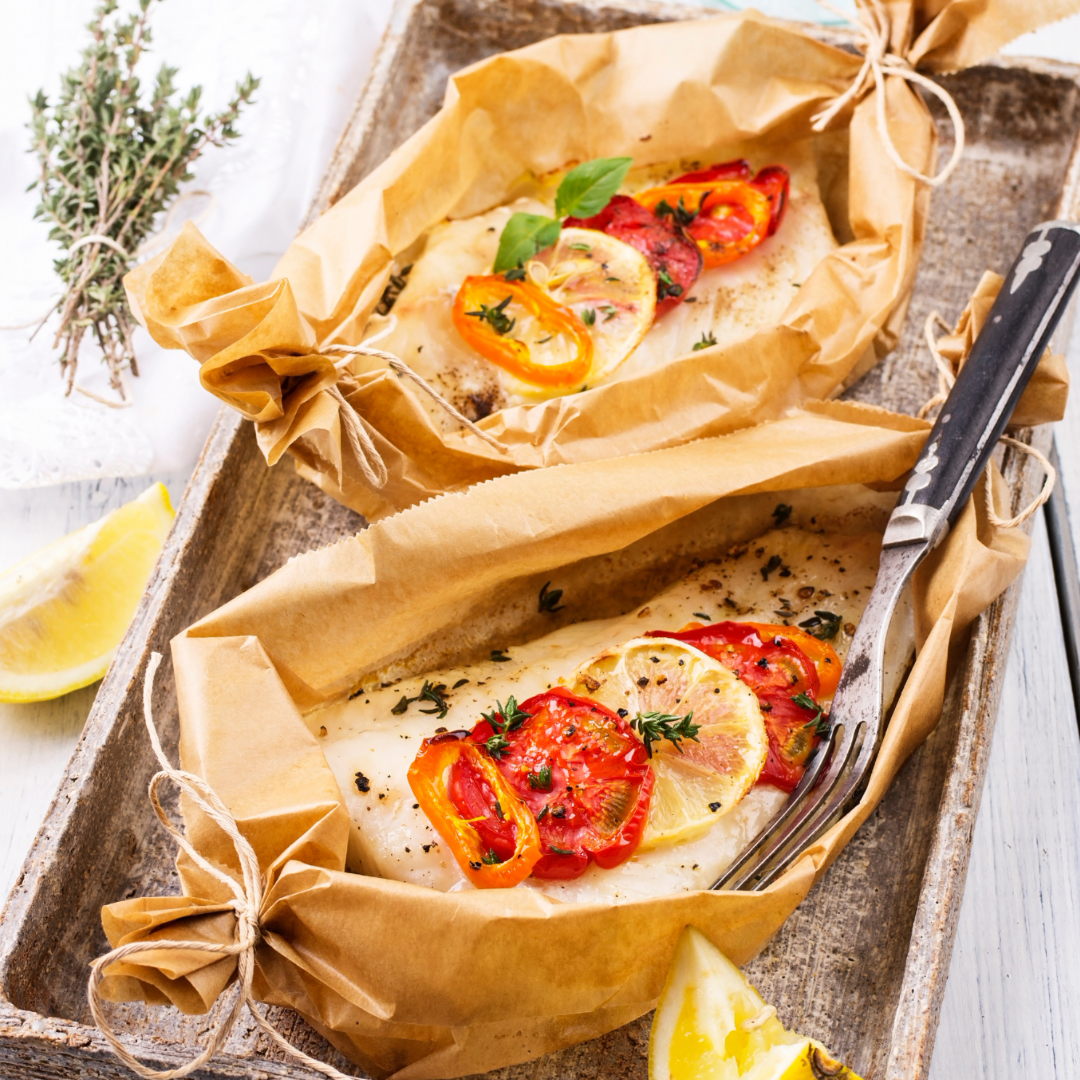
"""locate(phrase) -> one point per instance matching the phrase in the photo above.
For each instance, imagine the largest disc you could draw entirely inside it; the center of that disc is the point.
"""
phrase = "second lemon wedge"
(711, 1024)
(64, 609)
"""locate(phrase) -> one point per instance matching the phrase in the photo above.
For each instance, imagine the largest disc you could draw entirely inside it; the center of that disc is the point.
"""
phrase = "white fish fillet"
(392, 838)
(729, 302)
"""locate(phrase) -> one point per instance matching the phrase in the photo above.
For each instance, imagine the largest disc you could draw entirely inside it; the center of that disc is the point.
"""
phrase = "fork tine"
(856, 726)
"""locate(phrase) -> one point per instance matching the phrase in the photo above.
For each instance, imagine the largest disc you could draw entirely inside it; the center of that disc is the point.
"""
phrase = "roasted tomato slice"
(769, 659)
(581, 771)
(676, 260)
(725, 218)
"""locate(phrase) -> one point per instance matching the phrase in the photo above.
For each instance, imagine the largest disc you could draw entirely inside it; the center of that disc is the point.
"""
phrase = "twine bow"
(246, 903)
(878, 62)
(946, 380)
(371, 462)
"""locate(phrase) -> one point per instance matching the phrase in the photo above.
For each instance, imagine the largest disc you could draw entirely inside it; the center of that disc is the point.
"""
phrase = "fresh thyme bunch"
(111, 161)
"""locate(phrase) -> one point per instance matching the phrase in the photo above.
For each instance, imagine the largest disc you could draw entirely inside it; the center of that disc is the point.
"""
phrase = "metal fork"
(1032, 301)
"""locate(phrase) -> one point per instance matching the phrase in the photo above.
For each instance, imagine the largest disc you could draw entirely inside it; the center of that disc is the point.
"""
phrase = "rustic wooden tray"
(862, 963)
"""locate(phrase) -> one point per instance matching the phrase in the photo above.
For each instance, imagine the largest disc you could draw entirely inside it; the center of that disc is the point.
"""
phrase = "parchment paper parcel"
(417, 983)
(721, 87)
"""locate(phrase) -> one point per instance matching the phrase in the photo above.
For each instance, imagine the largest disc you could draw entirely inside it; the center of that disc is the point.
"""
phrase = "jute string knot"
(878, 61)
(166, 234)
(946, 380)
(246, 902)
(355, 427)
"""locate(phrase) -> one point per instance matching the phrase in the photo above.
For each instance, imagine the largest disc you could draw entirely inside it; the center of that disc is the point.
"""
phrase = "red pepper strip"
(675, 259)
(585, 776)
(727, 218)
(486, 327)
(774, 182)
(769, 660)
(727, 170)
(501, 848)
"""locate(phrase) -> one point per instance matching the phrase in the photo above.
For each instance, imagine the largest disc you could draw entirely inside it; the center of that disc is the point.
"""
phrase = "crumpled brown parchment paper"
(421, 984)
(655, 93)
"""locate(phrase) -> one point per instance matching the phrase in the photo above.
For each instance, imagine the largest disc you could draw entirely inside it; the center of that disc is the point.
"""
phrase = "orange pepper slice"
(428, 780)
(729, 217)
(479, 317)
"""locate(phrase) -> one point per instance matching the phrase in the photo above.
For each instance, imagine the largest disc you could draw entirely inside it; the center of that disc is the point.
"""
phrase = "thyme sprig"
(820, 721)
(823, 625)
(679, 214)
(433, 692)
(508, 717)
(495, 316)
(654, 726)
(549, 599)
(504, 719)
(112, 158)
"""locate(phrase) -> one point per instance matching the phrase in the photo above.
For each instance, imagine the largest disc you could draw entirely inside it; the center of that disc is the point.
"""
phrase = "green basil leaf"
(587, 189)
(523, 236)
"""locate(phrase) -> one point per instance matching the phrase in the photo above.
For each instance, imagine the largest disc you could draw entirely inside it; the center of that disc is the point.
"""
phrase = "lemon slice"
(64, 609)
(609, 286)
(711, 1024)
(696, 782)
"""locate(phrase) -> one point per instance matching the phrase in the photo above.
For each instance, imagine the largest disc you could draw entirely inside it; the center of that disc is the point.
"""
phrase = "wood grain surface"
(862, 963)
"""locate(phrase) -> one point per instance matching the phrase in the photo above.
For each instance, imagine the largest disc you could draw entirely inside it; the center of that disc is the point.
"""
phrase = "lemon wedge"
(64, 609)
(696, 782)
(609, 286)
(711, 1024)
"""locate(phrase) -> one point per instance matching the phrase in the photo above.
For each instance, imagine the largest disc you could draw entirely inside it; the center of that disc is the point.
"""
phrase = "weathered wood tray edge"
(32, 1044)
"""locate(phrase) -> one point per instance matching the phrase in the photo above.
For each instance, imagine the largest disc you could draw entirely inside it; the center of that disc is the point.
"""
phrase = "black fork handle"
(1028, 309)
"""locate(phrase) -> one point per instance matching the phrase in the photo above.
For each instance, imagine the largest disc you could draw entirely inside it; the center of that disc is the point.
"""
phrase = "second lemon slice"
(609, 286)
(696, 782)
(64, 609)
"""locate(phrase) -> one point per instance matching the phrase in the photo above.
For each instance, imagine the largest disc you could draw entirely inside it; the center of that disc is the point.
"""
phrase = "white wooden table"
(1013, 997)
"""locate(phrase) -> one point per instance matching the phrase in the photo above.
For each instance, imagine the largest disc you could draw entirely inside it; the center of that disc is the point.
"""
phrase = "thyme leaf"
(820, 721)
(434, 694)
(707, 341)
(497, 745)
(667, 286)
(824, 625)
(495, 316)
(541, 780)
(490, 859)
(549, 600)
(679, 214)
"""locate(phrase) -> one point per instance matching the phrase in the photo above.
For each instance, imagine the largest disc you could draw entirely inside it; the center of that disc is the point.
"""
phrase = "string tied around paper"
(946, 380)
(874, 34)
(166, 234)
(367, 454)
(246, 903)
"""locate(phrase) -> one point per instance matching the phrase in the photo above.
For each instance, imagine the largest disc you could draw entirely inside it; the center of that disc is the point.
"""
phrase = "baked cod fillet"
(371, 741)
